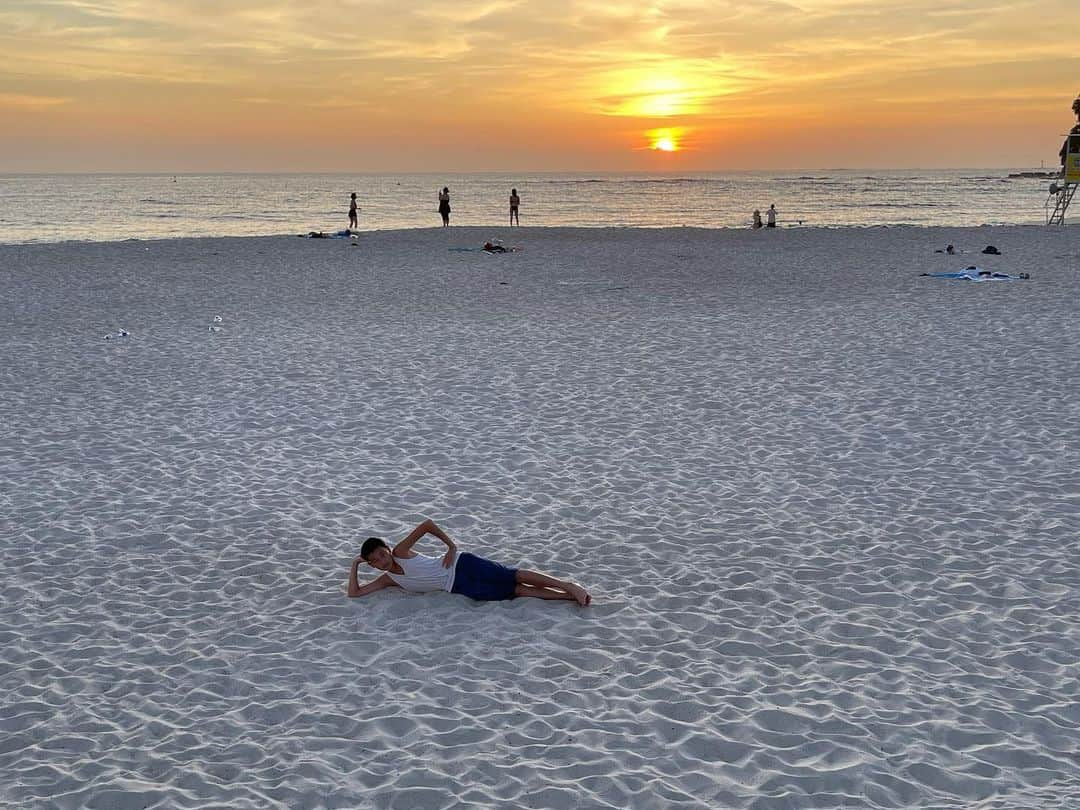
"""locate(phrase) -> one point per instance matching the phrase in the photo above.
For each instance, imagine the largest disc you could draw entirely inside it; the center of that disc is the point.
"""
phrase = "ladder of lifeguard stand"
(1062, 199)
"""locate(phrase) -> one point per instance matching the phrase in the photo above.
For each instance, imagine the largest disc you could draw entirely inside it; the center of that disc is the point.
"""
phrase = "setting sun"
(665, 139)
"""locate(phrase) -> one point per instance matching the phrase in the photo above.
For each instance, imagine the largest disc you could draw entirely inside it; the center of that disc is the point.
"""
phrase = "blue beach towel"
(978, 274)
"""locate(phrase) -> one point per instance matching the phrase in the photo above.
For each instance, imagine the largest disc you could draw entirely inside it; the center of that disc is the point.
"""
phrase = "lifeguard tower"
(1063, 189)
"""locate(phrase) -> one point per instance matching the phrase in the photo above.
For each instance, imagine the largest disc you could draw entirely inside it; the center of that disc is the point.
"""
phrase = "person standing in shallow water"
(353, 212)
(771, 216)
(444, 206)
(515, 203)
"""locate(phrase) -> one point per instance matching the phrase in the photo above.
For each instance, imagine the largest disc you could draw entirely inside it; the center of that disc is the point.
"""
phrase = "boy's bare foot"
(580, 595)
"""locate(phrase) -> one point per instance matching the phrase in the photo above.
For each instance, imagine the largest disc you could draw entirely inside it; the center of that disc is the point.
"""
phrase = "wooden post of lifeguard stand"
(1062, 193)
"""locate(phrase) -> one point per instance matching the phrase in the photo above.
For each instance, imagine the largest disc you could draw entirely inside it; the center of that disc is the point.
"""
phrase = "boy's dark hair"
(370, 545)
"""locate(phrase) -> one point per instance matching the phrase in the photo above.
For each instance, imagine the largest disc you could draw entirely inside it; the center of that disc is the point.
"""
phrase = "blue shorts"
(484, 580)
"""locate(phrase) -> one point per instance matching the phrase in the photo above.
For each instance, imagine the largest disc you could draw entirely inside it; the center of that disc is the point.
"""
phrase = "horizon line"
(494, 172)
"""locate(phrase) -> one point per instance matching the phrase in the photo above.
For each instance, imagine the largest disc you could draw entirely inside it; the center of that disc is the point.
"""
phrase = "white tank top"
(424, 574)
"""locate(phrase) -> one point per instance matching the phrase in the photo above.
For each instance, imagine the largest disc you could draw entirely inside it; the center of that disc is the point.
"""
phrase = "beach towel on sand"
(978, 274)
(489, 251)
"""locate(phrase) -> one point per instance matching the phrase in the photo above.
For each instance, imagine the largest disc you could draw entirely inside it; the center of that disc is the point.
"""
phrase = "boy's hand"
(448, 558)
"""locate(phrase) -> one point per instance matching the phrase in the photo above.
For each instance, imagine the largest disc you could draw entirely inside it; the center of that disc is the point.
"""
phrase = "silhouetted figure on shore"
(444, 206)
(515, 203)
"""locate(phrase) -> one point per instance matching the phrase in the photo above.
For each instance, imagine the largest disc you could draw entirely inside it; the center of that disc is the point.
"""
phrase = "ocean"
(107, 207)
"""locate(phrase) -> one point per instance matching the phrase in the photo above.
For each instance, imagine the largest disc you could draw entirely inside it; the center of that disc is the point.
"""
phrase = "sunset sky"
(351, 85)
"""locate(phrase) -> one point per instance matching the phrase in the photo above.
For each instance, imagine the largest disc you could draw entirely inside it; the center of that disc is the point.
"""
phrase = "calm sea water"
(51, 208)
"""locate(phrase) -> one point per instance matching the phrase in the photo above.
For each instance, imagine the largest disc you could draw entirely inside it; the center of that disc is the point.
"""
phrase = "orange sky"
(355, 85)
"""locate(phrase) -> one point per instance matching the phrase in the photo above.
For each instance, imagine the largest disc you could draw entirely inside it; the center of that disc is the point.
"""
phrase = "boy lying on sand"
(466, 574)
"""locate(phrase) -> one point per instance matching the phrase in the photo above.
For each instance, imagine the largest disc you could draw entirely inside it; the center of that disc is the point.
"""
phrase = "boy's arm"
(403, 548)
(377, 584)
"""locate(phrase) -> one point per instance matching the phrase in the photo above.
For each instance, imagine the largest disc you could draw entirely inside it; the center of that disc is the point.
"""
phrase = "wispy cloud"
(28, 102)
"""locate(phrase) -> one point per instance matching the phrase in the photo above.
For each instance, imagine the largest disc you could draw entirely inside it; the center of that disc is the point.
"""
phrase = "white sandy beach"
(828, 510)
